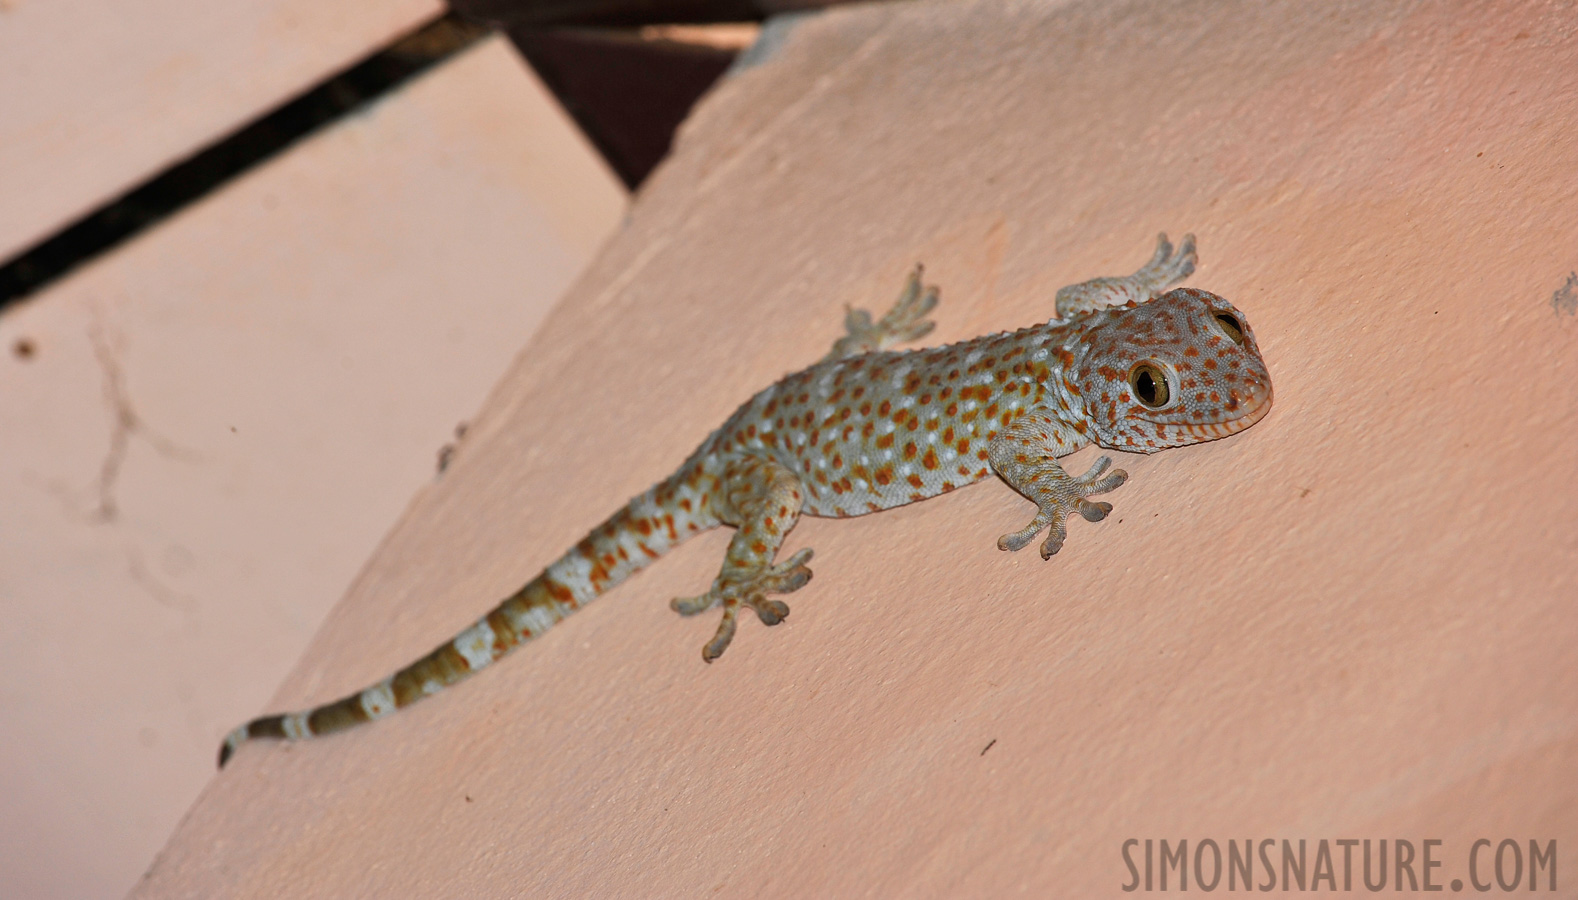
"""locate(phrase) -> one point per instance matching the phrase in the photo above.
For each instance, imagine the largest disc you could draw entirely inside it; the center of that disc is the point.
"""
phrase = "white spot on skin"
(431, 686)
(379, 700)
(535, 620)
(295, 726)
(476, 644)
(574, 572)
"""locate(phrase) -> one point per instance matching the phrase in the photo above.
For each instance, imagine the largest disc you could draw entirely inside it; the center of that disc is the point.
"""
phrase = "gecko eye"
(1149, 385)
(1230, 324)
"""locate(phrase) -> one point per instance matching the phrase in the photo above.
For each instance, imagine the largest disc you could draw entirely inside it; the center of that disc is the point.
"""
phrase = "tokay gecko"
(1123, 365)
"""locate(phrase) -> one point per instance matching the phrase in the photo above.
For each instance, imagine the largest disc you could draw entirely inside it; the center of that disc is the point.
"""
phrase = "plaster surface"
(1354, 620)
(97, 95)
(213, 427)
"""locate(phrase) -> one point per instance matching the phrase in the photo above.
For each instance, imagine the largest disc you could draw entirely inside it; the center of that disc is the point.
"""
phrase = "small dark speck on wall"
(1565, 298)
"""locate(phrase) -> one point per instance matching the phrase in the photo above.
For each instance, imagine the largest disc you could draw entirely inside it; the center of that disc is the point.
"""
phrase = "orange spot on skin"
(910, 450)
(915, 481)
(930, 459)
(884, 475)
(885, 441)
(558, 591)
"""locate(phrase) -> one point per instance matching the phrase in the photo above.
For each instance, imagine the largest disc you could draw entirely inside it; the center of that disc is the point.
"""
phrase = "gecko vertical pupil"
(1231, 326)
(1149, 385)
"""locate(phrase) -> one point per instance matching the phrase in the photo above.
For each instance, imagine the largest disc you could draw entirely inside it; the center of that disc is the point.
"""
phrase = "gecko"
(1126, 364)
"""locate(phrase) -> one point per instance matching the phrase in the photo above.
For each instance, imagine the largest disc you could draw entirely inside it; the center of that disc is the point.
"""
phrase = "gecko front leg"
(906, 321)
(1165, 269)
(762, 500)
(1023, 455)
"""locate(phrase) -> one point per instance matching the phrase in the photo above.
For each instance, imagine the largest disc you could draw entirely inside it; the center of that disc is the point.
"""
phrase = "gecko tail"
(628, 541)
(263, 726)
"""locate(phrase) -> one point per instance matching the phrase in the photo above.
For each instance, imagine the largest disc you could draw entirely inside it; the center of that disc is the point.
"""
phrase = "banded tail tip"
(227, 748)
(267, 726)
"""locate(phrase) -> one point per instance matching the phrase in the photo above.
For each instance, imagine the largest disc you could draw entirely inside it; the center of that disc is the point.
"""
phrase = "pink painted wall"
(1354, 620)
(97, 96)
(292, 351)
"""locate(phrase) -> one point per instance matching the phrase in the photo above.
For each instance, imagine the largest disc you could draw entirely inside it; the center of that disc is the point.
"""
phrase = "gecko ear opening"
(1149, 385)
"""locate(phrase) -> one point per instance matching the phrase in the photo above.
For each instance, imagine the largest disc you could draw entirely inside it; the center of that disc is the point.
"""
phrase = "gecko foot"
(1062, 495)
(906, 321)
(735, 587)
(1167, 268)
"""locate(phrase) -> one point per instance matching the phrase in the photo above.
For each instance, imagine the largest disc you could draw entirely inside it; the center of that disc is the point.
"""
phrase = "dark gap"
(193, 178)
(627, 91)
(536, 14)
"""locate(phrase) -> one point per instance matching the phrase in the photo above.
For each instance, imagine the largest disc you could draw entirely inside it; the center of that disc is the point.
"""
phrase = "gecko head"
(1180, 369)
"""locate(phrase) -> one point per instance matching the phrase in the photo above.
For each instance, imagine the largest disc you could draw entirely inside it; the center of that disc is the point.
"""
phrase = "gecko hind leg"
(762, 500)
(906, 321)
(1165, 269)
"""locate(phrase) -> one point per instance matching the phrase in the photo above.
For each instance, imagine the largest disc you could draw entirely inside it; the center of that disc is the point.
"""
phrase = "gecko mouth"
(1253, 409)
